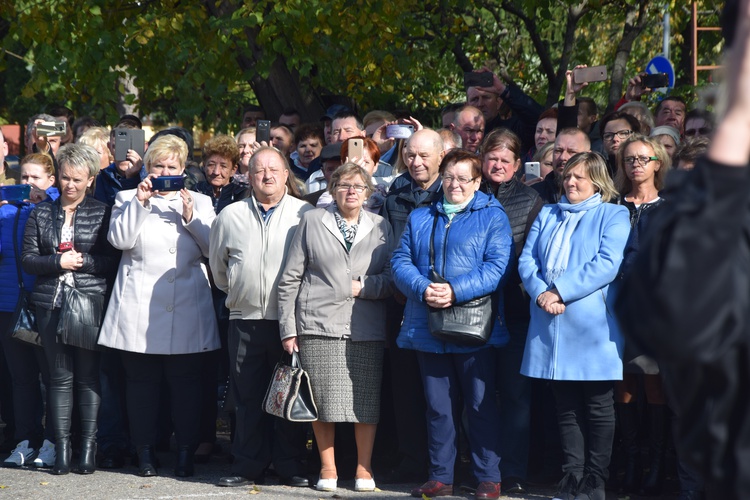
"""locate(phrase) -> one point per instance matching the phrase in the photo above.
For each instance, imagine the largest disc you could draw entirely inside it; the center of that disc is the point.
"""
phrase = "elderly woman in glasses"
(332, 311)
(642, 165)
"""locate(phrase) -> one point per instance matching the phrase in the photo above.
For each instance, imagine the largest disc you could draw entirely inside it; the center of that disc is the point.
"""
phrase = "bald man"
(469, 124)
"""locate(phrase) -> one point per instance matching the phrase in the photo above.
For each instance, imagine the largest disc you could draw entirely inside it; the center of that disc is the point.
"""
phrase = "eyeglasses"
(448, 179)
(697, 131)
(642, 160)
(621, 134)
(358, 188)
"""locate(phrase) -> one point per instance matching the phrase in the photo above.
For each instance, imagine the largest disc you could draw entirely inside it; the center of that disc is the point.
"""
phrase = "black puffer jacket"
(522, 204)
(42, 238)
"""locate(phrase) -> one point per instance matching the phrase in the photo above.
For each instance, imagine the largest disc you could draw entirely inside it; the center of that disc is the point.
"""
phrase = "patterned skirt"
(345, 377)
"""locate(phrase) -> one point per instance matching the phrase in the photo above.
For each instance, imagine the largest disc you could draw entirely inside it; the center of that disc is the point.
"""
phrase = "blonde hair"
(596, 169)
(165, 147)
(96, 136)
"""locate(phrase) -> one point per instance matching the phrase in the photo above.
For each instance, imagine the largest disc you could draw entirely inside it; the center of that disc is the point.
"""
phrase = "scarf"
(349, 232)
(450, 209)
(557, 253)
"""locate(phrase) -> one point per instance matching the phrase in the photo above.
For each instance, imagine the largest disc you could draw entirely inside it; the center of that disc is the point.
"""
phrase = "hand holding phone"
(592, 74)
(655, 81)
(167, 183)
(51, 129)
(532, 170)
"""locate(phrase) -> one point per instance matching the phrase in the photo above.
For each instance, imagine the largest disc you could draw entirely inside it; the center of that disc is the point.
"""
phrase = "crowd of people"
(340, 243)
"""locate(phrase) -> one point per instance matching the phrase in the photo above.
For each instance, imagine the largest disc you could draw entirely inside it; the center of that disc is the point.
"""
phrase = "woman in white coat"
(161, 314)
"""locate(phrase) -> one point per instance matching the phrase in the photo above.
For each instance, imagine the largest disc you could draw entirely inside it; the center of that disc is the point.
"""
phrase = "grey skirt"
(345, 377)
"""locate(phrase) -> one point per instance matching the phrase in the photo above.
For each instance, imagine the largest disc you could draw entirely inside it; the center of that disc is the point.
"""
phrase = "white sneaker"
(22, 455)
(46, 456)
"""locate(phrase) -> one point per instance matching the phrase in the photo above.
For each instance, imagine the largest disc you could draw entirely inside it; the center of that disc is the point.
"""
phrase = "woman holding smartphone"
(65, 246)
(161, 316)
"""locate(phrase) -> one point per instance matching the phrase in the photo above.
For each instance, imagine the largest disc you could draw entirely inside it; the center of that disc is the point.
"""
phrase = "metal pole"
(666, 31)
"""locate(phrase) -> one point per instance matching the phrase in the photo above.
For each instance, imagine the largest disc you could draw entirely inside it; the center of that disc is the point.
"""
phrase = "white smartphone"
(532, 170)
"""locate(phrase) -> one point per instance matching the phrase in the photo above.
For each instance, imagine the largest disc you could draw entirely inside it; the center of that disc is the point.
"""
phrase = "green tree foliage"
(198, 62)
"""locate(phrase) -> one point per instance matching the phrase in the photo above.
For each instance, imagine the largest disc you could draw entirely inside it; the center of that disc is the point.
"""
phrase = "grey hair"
(79, 156)
(349, 170)
(31, 125)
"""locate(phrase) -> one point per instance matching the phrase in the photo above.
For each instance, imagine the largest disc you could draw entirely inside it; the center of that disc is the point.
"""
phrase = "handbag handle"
(432, 241)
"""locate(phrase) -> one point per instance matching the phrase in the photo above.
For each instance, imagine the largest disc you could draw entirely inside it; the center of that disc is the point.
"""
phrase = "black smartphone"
(474, 79)
(263, 131)
(167, 183)
(52, 129)
(16, 193)
(592, 74)
(129, 138)
(655, 81)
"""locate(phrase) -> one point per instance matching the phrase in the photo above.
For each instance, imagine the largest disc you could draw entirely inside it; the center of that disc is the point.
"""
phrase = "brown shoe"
(488, 490)
(435, 489)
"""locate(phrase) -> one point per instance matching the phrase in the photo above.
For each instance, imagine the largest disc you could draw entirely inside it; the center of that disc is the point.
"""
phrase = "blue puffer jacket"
(473, 253)
(8, 273)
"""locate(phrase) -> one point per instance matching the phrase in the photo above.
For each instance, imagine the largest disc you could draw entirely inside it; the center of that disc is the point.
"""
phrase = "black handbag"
(289, 395)
(80, 318)
(466, 324)
(23, 323)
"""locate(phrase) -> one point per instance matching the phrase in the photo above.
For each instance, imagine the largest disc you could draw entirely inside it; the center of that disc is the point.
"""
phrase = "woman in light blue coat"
(572, 254)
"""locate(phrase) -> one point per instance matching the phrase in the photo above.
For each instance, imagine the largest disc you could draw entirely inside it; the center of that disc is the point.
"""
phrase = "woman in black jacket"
(65, 245)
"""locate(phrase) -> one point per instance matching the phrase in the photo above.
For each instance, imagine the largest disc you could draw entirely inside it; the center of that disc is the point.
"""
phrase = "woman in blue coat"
(572, 254)
(473, 249)
(25, 361)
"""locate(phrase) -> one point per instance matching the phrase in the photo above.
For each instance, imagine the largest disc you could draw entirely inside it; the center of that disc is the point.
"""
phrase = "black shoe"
(184, 467)
(112, 459)
(63, 455)
(87, 461)
(146, 461)
(233, 481)
(514, 486)
(567, 488)
(296, 481)
(591, 488)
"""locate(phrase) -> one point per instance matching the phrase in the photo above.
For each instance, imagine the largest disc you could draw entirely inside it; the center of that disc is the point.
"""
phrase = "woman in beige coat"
(161, 314)
(331, 310)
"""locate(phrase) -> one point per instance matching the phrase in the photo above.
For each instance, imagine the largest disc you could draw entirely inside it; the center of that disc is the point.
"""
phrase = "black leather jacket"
(42, 238)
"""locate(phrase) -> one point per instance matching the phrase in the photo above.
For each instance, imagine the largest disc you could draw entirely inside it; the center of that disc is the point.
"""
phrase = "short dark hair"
(588, 103)
(308, 130)
(458, 155)
(252, 107)
(635, 125)
(129, 121)
(669, 98)
(290, 112)
(349, 114)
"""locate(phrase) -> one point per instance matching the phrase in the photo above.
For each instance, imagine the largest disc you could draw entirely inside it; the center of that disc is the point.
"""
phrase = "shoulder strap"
(15, 248)
(432, 240)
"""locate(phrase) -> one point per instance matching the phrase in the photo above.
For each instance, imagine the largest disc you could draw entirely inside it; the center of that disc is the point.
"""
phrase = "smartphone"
(263, 131)
(129, 138)
(532, 170)
(65, 246)
(655, 81)
(52, 129)
(167, 183)
(399, 131)
(16, 193)
(474, 79)
(592, 74)
(355, 148)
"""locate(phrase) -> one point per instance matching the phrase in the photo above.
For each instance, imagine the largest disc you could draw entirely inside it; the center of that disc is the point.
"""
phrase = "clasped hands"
(551, 302)
(439, 295)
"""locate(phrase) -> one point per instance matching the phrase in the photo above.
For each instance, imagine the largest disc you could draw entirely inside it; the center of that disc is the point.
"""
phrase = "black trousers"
(260, 438)
(586, 417)
(144, 373)
(68, 364)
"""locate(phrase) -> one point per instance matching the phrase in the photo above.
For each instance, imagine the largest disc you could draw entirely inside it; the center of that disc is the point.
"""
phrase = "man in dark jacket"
(569, 142)
(423, 154)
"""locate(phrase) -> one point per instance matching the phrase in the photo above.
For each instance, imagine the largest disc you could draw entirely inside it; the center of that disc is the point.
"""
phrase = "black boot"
(631, 453)
(146, 461)
(63, 454)
(60, 406)
(184, 467)
(657, 416)
(88, 406)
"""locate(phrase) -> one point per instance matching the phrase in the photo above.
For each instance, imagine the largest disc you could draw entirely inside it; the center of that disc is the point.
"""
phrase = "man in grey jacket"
(248, 247)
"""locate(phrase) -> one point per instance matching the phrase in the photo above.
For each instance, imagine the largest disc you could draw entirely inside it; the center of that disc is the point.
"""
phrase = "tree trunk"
(635, 21)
